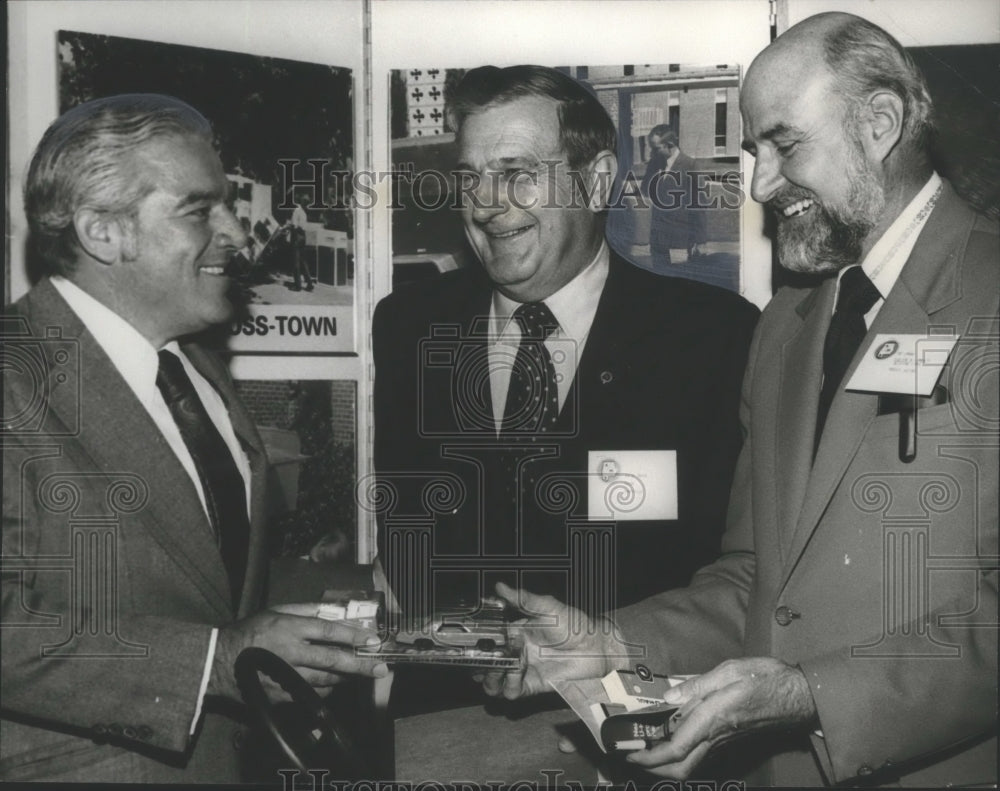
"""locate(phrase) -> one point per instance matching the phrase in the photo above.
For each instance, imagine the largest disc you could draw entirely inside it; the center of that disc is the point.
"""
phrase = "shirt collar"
(888, 255)
(672, 158)
(129, 351)
(574, 305)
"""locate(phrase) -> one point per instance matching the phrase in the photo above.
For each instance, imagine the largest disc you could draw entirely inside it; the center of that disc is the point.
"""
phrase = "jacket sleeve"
(691, 630)
(135, 679)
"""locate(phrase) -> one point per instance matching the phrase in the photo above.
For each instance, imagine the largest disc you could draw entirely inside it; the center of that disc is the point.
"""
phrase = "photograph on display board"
(675, 206)
(497, 224)
(284, 131)
(309, 430)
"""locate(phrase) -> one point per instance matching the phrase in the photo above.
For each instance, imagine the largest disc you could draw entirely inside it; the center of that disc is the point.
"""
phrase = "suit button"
(238, 739)
(115, 729)
(129, 732)
(864, 770)
(100, 729)
(785, 615)
(144, 732)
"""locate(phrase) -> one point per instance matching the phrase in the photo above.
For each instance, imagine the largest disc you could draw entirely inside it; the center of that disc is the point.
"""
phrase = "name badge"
(906, 364)
(627, 485)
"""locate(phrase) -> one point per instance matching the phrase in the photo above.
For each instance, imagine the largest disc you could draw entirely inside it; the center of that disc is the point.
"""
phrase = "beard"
(828, 238)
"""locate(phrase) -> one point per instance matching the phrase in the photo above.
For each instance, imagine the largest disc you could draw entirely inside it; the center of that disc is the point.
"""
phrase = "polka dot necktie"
(856, 297)
(533, 395)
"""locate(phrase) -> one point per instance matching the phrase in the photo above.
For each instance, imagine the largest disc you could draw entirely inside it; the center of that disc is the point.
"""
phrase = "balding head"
(837, 117)
(859, 59)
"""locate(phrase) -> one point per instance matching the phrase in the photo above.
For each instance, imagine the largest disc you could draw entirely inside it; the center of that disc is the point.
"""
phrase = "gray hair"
(84, 158)
(864, 58)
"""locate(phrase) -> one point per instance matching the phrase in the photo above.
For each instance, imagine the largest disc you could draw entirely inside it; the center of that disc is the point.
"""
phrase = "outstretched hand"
(557, 643)
(319, 650)
(737, 697)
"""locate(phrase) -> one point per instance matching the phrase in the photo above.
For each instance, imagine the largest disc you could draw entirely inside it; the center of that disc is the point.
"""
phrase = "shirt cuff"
(205, 676)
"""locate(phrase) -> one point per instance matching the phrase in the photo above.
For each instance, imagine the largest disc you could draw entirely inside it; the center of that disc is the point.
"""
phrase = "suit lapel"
(801, 376)
(473, 316)
(928, 282)
(605, 367)
(118, 434)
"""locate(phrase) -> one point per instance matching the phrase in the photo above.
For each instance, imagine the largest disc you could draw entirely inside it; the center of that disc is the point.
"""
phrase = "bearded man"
(851, 623)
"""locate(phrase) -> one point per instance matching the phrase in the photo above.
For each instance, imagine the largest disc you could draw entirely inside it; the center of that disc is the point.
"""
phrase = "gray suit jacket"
(877, 577)
(112, 579)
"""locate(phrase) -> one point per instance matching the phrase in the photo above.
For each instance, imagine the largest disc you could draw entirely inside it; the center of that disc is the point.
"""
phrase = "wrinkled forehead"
(525, 129)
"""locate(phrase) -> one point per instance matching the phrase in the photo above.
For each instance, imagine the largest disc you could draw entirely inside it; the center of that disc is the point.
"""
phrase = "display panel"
(677, 215)
(284, 130)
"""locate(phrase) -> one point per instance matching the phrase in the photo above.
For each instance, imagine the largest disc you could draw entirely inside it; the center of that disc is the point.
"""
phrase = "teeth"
(797, 208)
(213, 270)
(508, 234)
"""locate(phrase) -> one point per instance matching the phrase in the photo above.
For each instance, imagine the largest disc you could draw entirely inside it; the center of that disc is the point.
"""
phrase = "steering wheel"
(310, 737)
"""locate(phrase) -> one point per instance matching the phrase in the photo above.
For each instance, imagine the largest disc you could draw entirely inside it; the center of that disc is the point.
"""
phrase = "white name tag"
(907, 364)
(632, 484)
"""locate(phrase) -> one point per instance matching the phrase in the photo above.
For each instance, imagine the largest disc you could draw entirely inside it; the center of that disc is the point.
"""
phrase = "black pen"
(908, 428)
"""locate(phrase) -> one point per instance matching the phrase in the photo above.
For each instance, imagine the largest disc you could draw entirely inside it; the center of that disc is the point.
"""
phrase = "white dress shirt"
(137, 362)
(574, 307)
(888, 255)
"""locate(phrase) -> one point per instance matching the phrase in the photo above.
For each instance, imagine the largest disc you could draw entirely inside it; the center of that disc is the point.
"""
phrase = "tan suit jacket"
(112, 579)
(877, 577)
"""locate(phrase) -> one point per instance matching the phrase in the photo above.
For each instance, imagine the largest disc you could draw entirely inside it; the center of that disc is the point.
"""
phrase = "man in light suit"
(640, 363)
(670, 185)
(133, 559)
(850, 626)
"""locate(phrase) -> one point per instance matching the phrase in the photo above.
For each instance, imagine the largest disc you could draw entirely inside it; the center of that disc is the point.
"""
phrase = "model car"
(485, 629)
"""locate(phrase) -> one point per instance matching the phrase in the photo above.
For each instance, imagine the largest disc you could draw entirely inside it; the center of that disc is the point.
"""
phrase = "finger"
(566, 745)
(681, 770)
(319, 679)
(338, 660)
(684, 692)
(693, 730)
(513, 684)
(493, 684)
(337, 632)
(720, 676)
(528, 602)
(302, 609)
(508, 594)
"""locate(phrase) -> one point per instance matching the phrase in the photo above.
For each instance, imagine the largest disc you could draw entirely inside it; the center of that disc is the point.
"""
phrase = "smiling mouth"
(509, 234)
(213, 270)
(796, 209)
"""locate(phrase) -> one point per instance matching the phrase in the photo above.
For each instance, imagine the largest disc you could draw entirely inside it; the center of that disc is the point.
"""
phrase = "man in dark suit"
(557, 416)
(670, 185)
(133, 512)
(856, 599)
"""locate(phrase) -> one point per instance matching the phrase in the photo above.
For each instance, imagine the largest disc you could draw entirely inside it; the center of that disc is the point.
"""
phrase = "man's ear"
(882, 124)
(601, 174)
(101, 235)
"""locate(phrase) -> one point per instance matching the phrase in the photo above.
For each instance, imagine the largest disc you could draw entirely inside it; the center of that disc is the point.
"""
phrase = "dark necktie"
(225, 493)
(531, 408)
(532, 395)
(856, 297)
